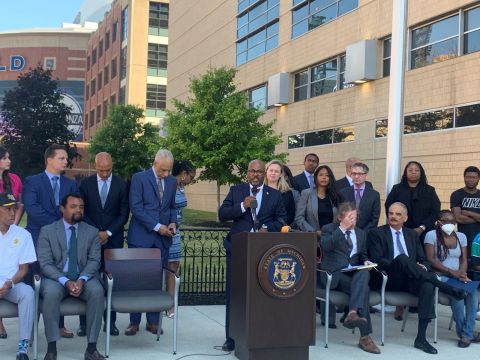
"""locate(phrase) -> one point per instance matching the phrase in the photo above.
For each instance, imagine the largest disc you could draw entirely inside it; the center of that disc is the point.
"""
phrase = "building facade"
(127, 62)
(306, 43)
(61, 50)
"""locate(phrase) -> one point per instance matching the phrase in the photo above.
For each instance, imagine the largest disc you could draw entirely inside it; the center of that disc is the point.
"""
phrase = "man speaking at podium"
(252, 206)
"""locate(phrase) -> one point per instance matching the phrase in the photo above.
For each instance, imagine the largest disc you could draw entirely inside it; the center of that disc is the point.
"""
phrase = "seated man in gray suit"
(69, 257)
(344, 245)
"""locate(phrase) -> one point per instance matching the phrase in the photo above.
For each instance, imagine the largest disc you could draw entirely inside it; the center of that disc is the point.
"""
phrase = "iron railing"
(202, 269)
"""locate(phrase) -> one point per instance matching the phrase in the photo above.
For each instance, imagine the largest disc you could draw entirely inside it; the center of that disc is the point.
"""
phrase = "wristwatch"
(109, 233)
(11, 282)
(423, 227)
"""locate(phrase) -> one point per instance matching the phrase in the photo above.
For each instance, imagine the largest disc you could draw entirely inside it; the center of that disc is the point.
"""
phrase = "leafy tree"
(35, 117)
(217, 131)
(131, 143)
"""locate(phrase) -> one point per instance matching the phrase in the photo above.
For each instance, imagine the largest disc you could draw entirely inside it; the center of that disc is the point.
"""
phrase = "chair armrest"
(329, 278)
(37, 281)
(108, 278)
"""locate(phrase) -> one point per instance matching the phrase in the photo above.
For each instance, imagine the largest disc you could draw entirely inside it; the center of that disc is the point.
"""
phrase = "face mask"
(448, 228)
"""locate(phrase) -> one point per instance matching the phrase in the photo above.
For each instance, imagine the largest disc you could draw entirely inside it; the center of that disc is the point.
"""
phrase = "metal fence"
(202, 269)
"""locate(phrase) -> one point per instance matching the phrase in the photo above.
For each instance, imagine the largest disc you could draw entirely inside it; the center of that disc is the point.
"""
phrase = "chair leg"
(405, 315)
(107, 333)
(159, 325)
(327, 319)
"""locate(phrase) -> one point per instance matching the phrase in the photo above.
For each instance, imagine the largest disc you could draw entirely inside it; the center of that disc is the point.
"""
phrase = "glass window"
(87, 92)
(99, 113)
(323, 78)
(257, 29)
(106, 74)
(158, 19)
(429, 121)
(114, 31)
(156, 96)
(99, 81)
(257, 98)
(93, 87)
(105, 109)
(113, 99)
(467, 115)
(301, 86)
(435, 42)
(322, 137)
(125, 23)
(123, 63)
(381, 128)
(85, 124)
(343, 134)
(157, 56)
(472, 31)
(121, 96)
(387, 51)
(92, 117)
(107, 40)
(311, 14)
(88, 62)
(94, 56)
(113, 68)
(100, 49)
(295, 141)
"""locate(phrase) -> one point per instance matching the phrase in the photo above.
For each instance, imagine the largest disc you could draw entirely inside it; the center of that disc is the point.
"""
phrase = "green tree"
(131, 142)
(35, 117)
(217, 131)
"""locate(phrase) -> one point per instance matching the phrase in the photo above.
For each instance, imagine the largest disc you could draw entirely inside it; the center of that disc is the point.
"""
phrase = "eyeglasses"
(358, 173)
(256, 172)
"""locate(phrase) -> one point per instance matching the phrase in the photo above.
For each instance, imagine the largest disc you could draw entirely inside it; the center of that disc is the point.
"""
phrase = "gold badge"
(16, 242)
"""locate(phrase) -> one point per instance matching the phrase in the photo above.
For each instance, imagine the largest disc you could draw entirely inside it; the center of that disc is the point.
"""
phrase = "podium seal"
(282, 271)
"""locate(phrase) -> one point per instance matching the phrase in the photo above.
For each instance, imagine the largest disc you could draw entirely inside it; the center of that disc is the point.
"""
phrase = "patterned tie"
(400, 248)
(358, 197)
(72, 273)
(56, 190)
(349, 239)
(104, 193)
(160, 189)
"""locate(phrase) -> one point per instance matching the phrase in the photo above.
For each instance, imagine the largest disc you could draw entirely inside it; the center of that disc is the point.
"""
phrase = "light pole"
(396, 93)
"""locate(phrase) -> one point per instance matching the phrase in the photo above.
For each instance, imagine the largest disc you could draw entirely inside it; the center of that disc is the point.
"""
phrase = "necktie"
(358, 197)
(349, 239)
(312, 183)
(160, 189)
(72, 273)
(400, 248)
(104, 193)
(56, 190)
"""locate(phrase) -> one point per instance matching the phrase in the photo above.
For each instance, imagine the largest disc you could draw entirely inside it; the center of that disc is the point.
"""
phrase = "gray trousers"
(23, 295)
(53, 293)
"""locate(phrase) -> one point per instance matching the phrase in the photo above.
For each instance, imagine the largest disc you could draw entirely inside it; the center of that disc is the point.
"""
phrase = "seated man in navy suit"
(154, 219)
(269, 216)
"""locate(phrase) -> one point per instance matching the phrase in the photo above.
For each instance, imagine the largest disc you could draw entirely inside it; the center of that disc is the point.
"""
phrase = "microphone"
(253, 208)
(285, 227)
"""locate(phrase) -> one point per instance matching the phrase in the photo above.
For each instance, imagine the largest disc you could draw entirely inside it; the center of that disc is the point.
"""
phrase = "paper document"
(359, 267)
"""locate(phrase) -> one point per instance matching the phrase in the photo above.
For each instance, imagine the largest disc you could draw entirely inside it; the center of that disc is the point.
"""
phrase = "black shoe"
(330, 326)
(228, 345)
(425, 346)
(342, 319)
(81, 331)
(22, 356)
(113, 330)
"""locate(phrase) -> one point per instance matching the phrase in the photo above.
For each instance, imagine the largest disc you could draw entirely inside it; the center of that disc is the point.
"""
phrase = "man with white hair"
(154, 217)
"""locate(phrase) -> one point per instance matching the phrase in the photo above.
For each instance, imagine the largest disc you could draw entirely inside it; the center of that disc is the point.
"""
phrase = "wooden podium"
(272, 311)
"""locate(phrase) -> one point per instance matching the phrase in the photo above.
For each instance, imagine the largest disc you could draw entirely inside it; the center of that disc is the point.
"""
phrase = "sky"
(27, 14)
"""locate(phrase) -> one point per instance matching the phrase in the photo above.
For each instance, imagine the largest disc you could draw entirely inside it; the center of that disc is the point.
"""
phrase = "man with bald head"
(154, 218)
(347, 180)
(398, 251)
(106, 208)
(268, 216)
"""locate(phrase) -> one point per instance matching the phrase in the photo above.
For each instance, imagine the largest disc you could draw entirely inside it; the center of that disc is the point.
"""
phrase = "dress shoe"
(113, 330)
(398, 315)
(65, 333)
(330, 326)
(50, 356)
(81, 331)
(366, 344)
(94, 356)
(22, 356)
(463, 343)
(353, 320)
(342, 319)
(3, 335)
(228, 345)
(153, 328)
(475, 338)
(425, 346)
(131, 330)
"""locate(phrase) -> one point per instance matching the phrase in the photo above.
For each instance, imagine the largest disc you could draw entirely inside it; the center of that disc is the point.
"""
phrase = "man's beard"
(76, 218)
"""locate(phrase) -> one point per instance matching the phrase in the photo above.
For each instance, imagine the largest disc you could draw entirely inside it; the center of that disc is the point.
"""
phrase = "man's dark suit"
(343, 183)
(300, 182)
(336, 256)
(52, 256)
(270, 211)
(403, 272)
(147, 212)
(369, 209)
(39, 201)
(114, 215)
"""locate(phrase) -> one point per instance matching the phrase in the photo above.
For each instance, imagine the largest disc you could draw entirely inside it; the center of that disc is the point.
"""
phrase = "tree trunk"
(218, 201)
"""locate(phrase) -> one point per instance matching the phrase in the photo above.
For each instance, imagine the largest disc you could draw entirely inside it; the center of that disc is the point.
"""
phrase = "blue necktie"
(56, 190)
(104, 193)
(400, 248)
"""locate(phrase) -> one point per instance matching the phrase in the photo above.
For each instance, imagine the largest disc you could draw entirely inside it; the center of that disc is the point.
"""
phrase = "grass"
(200, 218)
